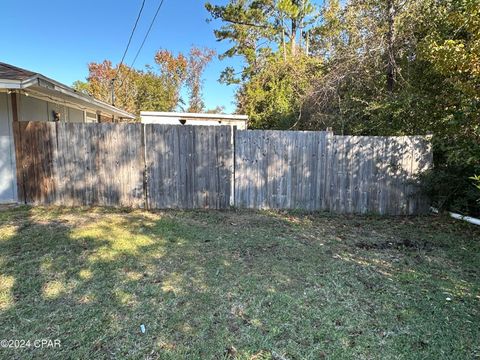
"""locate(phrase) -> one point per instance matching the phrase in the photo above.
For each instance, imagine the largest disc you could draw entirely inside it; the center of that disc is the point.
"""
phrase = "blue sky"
(58, 38)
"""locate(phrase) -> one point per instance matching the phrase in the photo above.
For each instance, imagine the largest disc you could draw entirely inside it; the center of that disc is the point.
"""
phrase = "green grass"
(239, 284)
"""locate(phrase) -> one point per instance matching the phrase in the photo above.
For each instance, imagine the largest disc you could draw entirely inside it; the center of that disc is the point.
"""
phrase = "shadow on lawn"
(262, 283)
(93, 284)
(74, 287)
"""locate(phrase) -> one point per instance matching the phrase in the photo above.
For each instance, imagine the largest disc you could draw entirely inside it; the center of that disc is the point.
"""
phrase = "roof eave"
(17, 84)
(35, 81)
(73, 93)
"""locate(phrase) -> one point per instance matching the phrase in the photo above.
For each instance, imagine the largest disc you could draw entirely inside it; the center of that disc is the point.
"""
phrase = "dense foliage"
(376, 67)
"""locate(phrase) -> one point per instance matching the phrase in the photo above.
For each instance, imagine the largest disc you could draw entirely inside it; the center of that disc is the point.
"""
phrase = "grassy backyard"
(246, 285)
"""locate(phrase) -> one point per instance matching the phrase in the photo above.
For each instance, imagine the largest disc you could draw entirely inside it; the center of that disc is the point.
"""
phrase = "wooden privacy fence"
(121, 165)
(169, 166)
(321, 171)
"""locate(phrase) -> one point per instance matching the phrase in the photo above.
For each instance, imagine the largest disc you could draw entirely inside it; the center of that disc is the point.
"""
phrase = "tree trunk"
(307, 43)
(293, 39)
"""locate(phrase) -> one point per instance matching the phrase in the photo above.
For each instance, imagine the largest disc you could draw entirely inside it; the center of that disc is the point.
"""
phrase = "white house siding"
(75, 115)
(8, 187)
(34, 109)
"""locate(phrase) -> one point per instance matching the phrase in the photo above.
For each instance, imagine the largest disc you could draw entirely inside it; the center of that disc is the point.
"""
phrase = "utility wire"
(148, 32)
(112, 81)
(131, 35)
(143, 42)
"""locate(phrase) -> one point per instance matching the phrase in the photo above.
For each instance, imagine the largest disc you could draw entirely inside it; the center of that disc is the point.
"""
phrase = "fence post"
(145, 167)
(232, 185)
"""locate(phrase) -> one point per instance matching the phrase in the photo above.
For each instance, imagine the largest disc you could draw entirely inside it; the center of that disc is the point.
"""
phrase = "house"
(173, 118)
(29, 96)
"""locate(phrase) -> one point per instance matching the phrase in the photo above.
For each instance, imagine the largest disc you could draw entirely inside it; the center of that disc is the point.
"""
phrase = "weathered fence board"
(188, 166)
(321, 171)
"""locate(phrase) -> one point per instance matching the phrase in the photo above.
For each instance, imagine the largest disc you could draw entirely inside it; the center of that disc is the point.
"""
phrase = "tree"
(99, 84)
(197, 61)
(173, 72)
(451, 48)
(376, 67)
(216, 110)
(152, 88)
(271, 37)
(81, 86)
(151, 94)
(273, 98)
(299, 14)
(259, 28)
(247, 26)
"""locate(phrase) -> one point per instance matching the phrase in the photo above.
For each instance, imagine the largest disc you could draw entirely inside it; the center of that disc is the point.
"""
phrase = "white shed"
(175, 118)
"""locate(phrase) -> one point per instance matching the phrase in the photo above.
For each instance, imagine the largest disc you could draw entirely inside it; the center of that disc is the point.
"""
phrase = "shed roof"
(194, 116)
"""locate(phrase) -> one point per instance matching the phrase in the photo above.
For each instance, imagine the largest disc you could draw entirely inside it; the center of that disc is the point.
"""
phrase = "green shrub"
(451, 188)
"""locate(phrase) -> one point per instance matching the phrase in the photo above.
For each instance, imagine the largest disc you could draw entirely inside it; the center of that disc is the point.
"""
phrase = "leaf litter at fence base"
(238, 284)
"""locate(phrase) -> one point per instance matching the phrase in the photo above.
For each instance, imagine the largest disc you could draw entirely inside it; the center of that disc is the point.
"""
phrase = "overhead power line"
(112, 82)
(131, 35)
(143, 42)
(148, 32)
